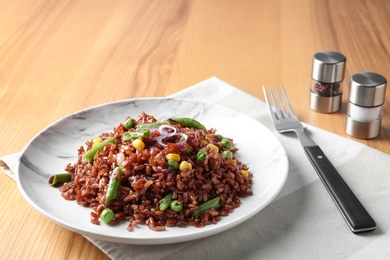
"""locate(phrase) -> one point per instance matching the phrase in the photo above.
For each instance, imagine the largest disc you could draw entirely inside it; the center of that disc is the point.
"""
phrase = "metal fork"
(285, 120)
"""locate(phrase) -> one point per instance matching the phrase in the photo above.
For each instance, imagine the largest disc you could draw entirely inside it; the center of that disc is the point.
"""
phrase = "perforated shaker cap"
(328, 66)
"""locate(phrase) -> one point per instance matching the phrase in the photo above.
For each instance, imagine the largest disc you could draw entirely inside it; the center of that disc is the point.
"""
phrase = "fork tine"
(283, 112)
(287, 101)
(267, 101)
(273, 108)
(277, 103)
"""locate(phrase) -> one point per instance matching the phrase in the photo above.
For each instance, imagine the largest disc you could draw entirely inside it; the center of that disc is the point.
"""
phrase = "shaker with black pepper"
(365, 105)
(327, 75)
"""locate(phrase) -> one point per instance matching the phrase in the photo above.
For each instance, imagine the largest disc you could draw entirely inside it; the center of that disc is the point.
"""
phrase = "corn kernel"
(204, 142)
(96, 141)
(245, 173)
(173, 156)
(213, 147)
(138, 144)
(185, 165)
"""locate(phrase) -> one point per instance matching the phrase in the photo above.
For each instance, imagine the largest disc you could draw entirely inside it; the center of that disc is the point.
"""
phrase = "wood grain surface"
(58, 57)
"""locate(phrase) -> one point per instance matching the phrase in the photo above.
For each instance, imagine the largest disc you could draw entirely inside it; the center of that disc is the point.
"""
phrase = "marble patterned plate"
(54, 147)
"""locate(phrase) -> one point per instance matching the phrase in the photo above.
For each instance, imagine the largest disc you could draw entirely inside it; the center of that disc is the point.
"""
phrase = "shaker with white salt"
(365, 105)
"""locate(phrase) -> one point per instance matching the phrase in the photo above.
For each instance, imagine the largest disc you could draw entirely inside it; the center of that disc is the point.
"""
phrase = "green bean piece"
(188, 122)
(219, 137)
(210, 204)
(107, 215)
(166, 201)
(58, 179)
(173, 164)
(227, 154)
(88, 155)
(148, 126)
(176, 206)
(128, 136)
(226, 143)
(201, 155)
(129, 123)
(113, 185)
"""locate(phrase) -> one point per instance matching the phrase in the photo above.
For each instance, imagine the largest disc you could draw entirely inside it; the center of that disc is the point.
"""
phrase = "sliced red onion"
(184, 140)
(166, 133)
(161, 142)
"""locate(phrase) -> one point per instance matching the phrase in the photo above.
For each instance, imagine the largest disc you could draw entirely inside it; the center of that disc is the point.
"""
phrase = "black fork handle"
(350, 207)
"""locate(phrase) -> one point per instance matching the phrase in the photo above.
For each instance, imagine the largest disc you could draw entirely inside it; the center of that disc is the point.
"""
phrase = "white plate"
(52, 149)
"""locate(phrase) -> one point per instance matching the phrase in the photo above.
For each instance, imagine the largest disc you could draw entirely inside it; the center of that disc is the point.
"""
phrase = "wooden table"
(58, 57)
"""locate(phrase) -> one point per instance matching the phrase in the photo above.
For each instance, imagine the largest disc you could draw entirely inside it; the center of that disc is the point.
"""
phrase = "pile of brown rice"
(147, 179)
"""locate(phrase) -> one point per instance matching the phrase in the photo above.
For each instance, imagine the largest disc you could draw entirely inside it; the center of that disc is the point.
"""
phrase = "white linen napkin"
(302, 222)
